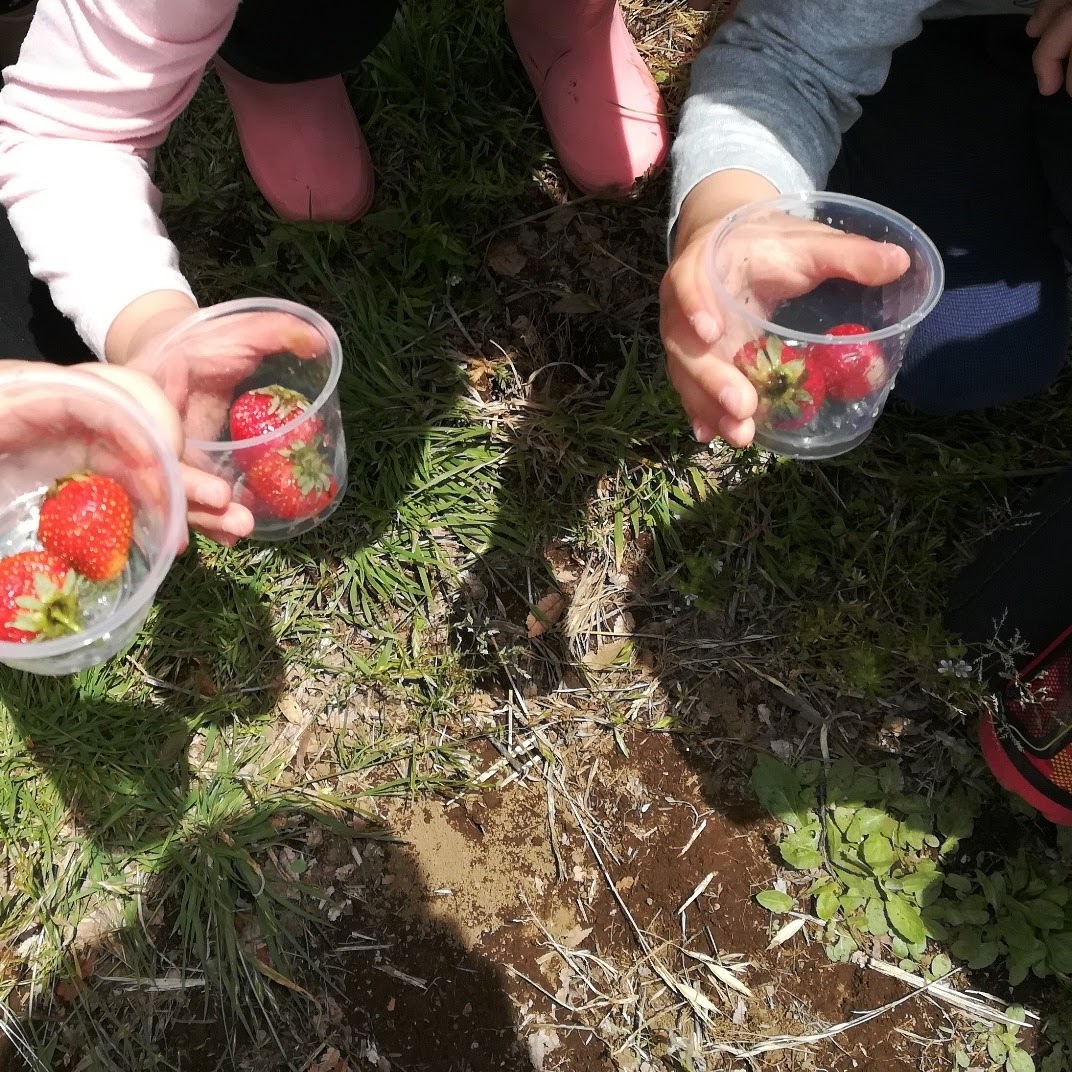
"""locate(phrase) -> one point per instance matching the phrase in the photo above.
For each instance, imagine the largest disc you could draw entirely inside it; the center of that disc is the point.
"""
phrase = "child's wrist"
(141, 325)
(715, 197)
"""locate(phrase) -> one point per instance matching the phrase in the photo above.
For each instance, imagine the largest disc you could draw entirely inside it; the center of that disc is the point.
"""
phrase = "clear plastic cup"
(218, 355)
(820, 393)
(54, 423)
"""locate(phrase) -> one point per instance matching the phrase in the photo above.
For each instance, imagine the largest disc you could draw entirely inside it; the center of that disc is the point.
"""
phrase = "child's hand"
(1051, 24)
(18, 427)
(144, 390)
(717, 397)
(199, 372)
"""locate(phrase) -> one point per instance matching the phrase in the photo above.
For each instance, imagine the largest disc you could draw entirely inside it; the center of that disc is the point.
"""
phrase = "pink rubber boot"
(600, 103)
(302, 145)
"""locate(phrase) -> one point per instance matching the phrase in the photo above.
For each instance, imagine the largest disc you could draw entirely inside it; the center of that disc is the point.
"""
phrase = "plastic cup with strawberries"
(256, 382)
(821, 349)
(92, 512)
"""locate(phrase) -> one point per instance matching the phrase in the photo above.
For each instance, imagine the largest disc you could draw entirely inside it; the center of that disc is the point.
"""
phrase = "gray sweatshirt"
(778, 84)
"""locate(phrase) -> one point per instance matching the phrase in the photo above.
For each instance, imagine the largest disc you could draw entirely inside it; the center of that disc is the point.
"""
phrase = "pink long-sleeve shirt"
(96, 87)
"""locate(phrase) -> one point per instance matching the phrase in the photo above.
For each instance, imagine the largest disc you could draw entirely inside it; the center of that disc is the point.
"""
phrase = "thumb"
(862, 260)
(149, 396)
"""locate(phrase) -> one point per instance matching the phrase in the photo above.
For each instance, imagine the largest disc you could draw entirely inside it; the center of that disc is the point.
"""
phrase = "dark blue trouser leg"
(280, 41)
(960, 141)
(31, 327)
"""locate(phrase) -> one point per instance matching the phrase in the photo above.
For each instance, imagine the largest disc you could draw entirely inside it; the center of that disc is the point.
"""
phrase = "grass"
(495, 421)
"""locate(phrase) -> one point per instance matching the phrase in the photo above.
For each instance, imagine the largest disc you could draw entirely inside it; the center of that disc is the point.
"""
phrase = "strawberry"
(269, 409)
(293, 483)
(38, 598)
(791, 386)
(88, 521)
(852, 370)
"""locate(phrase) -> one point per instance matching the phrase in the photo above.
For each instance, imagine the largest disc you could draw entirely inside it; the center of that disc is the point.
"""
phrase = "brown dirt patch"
(529, 963)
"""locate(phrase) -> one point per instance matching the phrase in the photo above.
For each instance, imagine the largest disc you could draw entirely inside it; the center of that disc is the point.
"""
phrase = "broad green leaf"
(879, 853)
(865, 821)
(827, 904)
(1016, 931)
(1059, 949)
(936, 928)
(852, 903)
(1057, 1060)
(996, 1050)
(1017, 1013)
(839, 779)
(1019, 1061)
(822, 884)
(919, 881)
(890, 778)
(841, 950)
(905, 919)
(956, 816)
(1045, 915)
(960, 883)
(909, 837)
(843, 818)
(778, 790)
(875, 917)
(972, 911)
(941, 966)
(985, 954)
(865, 887)
(775, 901)
(798, 850)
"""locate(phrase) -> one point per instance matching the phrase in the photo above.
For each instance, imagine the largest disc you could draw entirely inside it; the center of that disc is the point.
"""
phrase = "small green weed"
(880, 862)
(995, 1047)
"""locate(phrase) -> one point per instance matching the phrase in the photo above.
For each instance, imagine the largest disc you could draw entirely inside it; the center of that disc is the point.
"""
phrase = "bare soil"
(458, 948)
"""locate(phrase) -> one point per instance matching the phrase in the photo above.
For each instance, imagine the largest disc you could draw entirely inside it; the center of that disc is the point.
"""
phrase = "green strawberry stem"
(53, 611)
(310, 470)
(71, 623)
(283, 399)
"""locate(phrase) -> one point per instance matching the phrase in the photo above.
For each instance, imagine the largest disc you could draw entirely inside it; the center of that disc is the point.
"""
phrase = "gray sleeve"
(778, 85)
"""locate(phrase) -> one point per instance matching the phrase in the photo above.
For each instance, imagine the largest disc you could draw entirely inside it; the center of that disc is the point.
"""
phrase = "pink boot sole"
(303, 146)
(601, 105)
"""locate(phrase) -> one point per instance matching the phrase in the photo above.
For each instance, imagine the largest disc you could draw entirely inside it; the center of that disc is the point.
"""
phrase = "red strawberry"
(88, 520)
(791, 386)
(268, 409)
(852, 370)
(293, 483)
(38, 598)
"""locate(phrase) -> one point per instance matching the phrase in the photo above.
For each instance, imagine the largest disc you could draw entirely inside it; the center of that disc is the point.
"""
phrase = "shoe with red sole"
(1013, 599)
(1027, 742)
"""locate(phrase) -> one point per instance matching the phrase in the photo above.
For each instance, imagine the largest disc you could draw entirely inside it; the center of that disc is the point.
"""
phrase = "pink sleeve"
(94, 92)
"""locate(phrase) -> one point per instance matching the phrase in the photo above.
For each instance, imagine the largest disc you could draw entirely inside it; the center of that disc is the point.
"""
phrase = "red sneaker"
(1028, 742)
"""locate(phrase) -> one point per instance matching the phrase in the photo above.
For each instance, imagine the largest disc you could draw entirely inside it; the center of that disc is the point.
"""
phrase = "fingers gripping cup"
(818, 295)
(92, 513)
(256, 382)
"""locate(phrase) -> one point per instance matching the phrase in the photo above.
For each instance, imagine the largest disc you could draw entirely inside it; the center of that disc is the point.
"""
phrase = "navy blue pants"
(960, 141)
